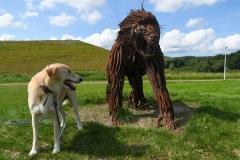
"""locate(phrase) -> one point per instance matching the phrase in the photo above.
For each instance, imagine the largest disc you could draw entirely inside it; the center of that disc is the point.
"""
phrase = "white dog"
(52, 85)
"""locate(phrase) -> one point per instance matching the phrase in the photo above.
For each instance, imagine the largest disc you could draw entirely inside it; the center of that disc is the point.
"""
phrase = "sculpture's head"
(144, 32)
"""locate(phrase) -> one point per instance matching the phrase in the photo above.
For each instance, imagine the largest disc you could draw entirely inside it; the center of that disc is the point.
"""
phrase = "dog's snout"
(80, 79)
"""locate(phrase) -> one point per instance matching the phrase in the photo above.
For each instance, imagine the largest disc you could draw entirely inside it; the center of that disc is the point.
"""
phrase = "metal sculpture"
(136, 52)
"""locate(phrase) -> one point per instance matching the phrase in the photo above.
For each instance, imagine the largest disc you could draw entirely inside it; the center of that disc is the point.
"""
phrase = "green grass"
(29, 57)
(173, 75)
(211, 133)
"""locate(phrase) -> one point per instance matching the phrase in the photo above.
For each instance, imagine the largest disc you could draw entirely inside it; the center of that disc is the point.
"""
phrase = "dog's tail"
(66, 101)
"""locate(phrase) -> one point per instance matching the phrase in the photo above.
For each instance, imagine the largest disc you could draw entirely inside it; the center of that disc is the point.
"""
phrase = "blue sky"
(190, 27)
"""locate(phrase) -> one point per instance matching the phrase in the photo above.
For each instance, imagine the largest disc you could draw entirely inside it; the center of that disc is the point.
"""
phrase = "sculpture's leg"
(164, 104)
(166, 110)
(115, 75)
(114, 97)
(137, 98)
(155, 71)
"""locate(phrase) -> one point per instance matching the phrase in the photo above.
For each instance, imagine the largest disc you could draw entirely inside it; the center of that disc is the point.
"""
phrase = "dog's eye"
(69, 71)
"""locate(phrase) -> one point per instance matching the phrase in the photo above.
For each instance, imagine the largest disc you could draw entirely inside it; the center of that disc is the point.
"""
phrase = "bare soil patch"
(145, 118)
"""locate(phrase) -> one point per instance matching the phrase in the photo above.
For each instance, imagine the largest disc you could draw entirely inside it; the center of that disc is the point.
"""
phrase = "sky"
(188, 27)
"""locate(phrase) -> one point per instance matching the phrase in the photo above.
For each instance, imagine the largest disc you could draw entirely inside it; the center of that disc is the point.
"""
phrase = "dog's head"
(61, 73)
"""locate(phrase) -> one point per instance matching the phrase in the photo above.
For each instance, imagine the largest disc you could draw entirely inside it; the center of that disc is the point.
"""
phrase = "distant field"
(28, 57)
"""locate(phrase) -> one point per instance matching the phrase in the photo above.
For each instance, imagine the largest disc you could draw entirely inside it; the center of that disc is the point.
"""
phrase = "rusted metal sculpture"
(136, 52)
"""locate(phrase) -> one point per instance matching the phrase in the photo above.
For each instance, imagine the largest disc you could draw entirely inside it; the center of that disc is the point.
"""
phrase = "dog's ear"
(50, 70)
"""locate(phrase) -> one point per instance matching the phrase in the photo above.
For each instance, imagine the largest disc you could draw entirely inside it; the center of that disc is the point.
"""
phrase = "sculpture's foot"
(117, 123)
(167, 123)
(144, 106)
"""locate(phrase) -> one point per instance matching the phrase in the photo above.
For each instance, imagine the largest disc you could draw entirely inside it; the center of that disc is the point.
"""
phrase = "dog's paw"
(79, 127)
(63, 125)
(32, 153)
(55, 151)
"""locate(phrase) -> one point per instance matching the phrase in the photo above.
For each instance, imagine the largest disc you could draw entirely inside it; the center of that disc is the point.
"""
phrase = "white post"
(225, 64)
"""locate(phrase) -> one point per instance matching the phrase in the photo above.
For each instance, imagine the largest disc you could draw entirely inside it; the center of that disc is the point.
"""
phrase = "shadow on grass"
(220, 114)
(98, 140)
(182, 112)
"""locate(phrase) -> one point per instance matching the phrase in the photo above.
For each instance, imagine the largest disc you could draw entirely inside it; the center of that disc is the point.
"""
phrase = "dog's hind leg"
(35, 125)
(73, 100)
(56, 134)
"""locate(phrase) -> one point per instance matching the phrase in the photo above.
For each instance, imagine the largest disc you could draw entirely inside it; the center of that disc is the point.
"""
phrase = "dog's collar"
(45, 88)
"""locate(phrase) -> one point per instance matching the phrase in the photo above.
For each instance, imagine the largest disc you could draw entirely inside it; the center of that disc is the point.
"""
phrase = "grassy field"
(211, 130)
(28, 57)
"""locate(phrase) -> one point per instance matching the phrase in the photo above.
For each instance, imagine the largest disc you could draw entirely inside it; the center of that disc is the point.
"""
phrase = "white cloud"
(176, 41)
(195, 22)
(46, 4)
(231, 42)
(53, 38)
(29, 4)
(201, 2)
(29, 14)
(67, 36)
(104, 40)
(6, 37)
(6, 20)
(86, 8)
(199, 41)
(174, 5)
(92, 18)
(62, 20)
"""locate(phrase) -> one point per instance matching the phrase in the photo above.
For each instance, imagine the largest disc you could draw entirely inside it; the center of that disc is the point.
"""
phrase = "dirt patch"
(145, 119)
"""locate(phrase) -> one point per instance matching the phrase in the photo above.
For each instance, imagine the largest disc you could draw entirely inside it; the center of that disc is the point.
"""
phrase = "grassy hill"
(31, 56)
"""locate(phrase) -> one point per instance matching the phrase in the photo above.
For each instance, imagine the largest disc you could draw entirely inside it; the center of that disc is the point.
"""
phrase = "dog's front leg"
(60, 99)
(63, 114)
(73, 100)
(35, 125)
(56, 134)
(79, 125)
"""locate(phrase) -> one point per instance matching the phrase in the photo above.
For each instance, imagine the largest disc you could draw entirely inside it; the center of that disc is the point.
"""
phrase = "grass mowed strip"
(210, 131)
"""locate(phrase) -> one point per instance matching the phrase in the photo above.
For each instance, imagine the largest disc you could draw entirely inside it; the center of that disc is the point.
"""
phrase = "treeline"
(204, 64)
